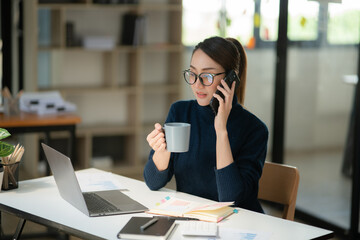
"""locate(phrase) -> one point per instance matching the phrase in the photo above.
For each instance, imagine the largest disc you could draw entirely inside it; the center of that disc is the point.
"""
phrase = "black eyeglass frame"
(197, 76)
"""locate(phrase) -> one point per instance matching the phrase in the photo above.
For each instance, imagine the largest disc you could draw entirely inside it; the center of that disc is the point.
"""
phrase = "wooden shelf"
(160, 7)
(142, 7)
(89, 6)
(106, 129)
(160, 88)
(118, 81)
(162, 47)
(89, 90)
(121, 49)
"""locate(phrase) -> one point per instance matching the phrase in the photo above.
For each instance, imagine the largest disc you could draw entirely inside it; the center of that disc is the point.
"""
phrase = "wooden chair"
(279, 184)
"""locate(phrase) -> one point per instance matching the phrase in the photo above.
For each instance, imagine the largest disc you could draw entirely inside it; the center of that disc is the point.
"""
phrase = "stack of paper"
(45, 103)
(99, 42)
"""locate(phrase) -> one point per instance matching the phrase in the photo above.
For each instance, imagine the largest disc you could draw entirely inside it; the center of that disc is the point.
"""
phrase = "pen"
(148, 224)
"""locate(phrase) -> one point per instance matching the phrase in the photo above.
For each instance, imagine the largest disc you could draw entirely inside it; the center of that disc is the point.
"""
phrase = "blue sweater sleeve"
(154, 178)
(239, 180)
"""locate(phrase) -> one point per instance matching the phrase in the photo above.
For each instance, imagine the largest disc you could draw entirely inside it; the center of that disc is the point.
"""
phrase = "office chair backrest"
(279, 183)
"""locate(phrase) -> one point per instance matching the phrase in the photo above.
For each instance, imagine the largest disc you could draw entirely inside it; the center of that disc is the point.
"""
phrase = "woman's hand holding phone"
(229, 79)
(225, 104)
(221, 102)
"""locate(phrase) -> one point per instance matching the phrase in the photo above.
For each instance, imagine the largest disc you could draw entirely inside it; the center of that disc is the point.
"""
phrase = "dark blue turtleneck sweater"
(195, 171)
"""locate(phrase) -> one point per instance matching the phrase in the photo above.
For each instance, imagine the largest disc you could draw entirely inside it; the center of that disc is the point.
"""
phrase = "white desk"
(38, 200)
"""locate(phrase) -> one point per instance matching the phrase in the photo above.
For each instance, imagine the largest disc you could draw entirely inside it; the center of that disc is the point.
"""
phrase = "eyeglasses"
(206, 79)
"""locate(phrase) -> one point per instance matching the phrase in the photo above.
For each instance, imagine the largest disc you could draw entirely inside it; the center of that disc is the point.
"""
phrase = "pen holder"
(10, 176)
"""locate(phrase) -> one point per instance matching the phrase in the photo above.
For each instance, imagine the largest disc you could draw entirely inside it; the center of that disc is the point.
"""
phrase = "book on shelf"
(210, 212)
(159, 230)
(133, 29)
(140, 27)
(70, 34)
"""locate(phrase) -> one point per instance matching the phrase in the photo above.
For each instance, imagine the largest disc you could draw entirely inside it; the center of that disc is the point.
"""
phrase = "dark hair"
(230, 54)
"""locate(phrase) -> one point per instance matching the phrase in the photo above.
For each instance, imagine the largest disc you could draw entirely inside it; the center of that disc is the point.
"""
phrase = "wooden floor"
(323, 191)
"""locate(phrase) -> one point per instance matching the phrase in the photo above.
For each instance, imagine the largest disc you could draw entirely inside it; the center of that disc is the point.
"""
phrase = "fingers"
(221, 100)
(225, 104)
(225, 86)
(233, 86)
(156, 138)
(157, 129)
(154, 135)
(226, 91)
(159, 144)
(156, 142)
(162, 147)
(158, 126)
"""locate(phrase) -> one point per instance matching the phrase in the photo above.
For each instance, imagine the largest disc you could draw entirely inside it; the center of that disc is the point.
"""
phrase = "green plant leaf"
(4, 133)
(6, 149)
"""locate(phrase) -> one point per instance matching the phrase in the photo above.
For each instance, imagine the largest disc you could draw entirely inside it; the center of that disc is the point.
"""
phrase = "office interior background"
(303, 66)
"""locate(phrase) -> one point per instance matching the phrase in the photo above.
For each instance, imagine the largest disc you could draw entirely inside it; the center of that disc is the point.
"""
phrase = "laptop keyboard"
(97, 204)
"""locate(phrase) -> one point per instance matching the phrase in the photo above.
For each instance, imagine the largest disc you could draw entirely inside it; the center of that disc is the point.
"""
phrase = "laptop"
(99, 203)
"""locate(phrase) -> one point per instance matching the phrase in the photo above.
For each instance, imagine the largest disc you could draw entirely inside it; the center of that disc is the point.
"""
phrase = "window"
(303, 20)
(200, 20)
(227, 18)
(344, 22)
(269, 18)
(340, 22)
(240, 19)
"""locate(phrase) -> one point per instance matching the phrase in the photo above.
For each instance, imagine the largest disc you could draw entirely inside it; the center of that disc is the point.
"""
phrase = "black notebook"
(161, 229)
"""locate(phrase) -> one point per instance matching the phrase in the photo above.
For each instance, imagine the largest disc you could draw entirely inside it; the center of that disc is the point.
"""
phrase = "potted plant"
(5, 148)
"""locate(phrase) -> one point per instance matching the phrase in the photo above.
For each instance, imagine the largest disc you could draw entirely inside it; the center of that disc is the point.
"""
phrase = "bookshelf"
(120, 90)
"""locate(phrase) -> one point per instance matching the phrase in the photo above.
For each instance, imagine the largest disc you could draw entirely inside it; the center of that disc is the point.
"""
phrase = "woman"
(227, 151)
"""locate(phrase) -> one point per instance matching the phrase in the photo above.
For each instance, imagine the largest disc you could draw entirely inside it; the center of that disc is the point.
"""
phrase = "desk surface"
(34, 120)
(38, 200)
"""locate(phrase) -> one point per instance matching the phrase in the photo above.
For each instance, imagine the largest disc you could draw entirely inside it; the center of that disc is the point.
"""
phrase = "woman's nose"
(198, 84)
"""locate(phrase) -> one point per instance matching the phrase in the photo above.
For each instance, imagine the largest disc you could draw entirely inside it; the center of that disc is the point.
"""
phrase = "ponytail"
(242, 70)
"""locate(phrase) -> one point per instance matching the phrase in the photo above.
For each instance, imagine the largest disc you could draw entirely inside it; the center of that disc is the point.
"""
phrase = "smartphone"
(229, 79)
